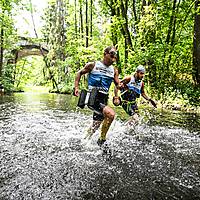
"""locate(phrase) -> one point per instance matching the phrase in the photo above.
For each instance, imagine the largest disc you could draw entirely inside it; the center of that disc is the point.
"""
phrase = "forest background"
(162, 35)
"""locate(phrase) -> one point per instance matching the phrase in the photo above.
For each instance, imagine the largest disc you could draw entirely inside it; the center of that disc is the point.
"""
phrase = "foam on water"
(44, 156)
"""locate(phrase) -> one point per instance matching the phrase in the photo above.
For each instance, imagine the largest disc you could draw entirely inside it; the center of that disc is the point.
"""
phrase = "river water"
(43, 154)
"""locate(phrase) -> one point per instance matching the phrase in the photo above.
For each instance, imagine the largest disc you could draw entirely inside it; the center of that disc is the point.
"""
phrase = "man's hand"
(76, 92)
(120, 86)
(153, 103)
(116, 101)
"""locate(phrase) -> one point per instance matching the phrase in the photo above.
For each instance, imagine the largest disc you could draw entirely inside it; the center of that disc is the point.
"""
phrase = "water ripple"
(43, 156)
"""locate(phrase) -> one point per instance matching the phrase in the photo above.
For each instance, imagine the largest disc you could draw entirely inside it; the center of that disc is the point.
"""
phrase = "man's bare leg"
(109, 115)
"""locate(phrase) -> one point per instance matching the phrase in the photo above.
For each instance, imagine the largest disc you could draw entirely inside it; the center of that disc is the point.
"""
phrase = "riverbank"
(171, 104)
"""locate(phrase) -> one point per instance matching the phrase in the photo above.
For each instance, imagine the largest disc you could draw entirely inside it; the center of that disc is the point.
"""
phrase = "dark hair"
(107, 49)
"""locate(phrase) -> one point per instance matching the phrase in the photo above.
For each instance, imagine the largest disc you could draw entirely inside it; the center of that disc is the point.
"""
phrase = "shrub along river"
(43, 154)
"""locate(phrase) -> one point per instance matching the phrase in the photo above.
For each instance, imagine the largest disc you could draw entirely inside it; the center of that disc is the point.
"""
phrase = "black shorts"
(100, 102)
(130, 108)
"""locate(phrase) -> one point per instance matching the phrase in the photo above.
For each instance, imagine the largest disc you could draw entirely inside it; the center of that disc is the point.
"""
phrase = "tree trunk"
(164, 67)
(75, 19)
(91, 18)
(1, 50)
(113, 26)
(86, 22)
(173, 35)
(81, 18)
(171, 22)
(2, 42)
(134, 11)
(196, 45)
(125, 28)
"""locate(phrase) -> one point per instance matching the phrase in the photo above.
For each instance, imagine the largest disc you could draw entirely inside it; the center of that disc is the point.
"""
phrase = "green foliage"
(7, 78)
(161, 38)
(188, 91)
(28, 73)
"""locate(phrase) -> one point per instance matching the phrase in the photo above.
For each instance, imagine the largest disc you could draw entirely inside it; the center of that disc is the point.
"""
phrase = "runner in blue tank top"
(131, 87)
(100, 76)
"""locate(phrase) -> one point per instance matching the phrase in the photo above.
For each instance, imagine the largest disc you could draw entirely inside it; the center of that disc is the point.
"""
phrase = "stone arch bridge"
(25, 47)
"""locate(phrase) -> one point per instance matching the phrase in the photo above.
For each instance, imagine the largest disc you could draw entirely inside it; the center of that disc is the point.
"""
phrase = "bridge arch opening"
(29, 74)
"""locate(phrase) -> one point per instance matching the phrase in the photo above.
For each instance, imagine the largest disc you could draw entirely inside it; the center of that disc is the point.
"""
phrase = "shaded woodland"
(162, 35)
